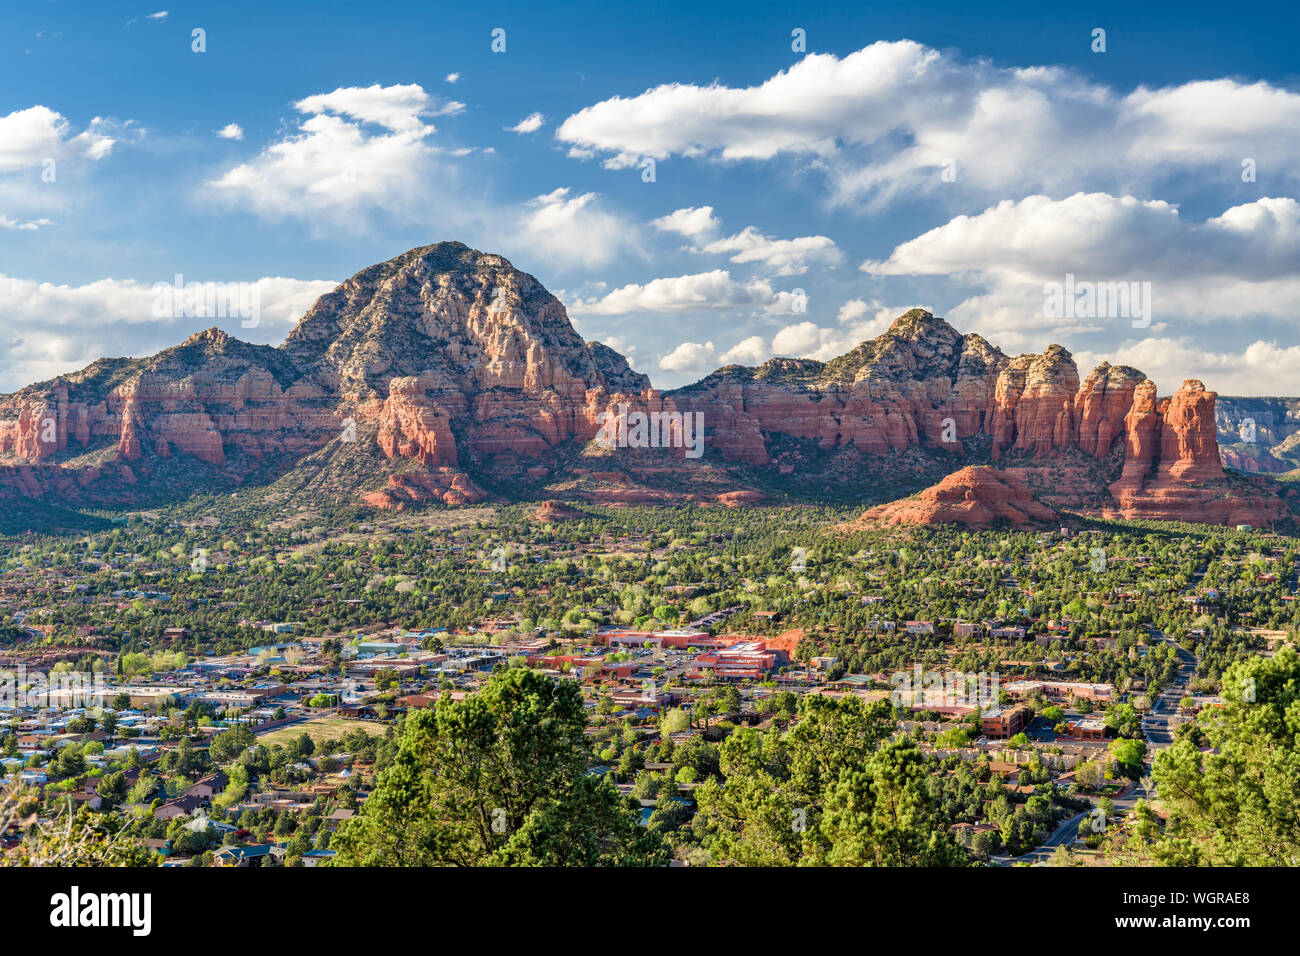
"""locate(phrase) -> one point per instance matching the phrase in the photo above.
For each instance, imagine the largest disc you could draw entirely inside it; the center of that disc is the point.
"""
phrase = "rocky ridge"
(467, 375)
(975, 497)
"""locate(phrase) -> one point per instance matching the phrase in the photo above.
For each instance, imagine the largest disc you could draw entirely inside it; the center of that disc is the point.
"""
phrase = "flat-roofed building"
(1088, 729)
(1062, 690)
(1003, 722)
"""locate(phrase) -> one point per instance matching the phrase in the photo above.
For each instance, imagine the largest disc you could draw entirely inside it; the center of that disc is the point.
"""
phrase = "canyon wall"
(451, 362)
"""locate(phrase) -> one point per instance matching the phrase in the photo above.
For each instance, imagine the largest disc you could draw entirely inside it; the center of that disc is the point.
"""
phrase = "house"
(339, 816)
(208, 787)
(180, 807)
(261, 854)
(92, 800)
(1011, 631)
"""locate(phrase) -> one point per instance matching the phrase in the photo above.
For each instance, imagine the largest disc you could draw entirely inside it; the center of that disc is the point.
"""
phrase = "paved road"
(1159, 723)
(1158, 727)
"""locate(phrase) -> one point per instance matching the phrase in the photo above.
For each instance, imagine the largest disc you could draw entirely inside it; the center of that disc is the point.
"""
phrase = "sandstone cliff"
(976, 497)
(466, 374)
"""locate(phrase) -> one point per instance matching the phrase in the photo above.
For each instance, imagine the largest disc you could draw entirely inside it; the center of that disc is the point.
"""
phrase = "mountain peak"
(209, 337)
(453, 317)
(913, 318)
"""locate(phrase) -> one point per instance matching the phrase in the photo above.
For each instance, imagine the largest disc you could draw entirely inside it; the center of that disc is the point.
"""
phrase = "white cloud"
(529, 124)
(30, 226)
(160, 15)
(574, 230)
(889, 118)
(853, 309)
(692, 222)
(783, 256)
(1242, 264)
(453, 78)
(802, 338)
(688, 357)
(809, 340)
(337, 167)
(53, 329)
(231, 131)
(858, 320)
(751, 351)
(400, 108)
(1262, 368)
(705, 291)
(29, 137)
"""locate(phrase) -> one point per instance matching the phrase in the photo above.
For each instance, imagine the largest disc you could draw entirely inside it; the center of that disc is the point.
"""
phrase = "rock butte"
(454, 364)
(977, 497)
(552, 510)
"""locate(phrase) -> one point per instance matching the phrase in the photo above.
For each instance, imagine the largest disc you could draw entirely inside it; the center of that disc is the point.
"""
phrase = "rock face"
(453, 363)
(976, 497)
(1172, 469)
(441, 485)
(444, 356)
(551, 511)
(1259, 435)
(1101, 406)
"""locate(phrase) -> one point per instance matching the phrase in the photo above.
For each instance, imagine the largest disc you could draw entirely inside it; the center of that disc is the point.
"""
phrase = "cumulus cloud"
(399, 108)
(529, 124)
(1244, 263)
(692, 222)
(54, 329)
(783, 256)
(29, 137)
(688, 357)
(890, 118)
(358, 150)
(701, 292)
(231, 131)
(857, 321)
(453, 78)
(574, 230)
(751, 351)
(1261, 368)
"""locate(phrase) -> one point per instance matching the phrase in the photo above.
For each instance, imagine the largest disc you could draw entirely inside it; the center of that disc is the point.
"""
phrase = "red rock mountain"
(977, 497)
(445, 371)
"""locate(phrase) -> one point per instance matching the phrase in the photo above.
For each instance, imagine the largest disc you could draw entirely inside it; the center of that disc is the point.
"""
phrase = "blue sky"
(951, 156)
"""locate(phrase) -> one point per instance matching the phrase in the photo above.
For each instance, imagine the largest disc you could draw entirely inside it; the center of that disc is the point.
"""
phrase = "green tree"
(1237, 805)
(490, 779)
(112, 788)
(882, 815)
(1129, 755)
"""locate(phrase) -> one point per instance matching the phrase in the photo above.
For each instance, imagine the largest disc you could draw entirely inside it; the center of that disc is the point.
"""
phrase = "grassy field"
(318, 729)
